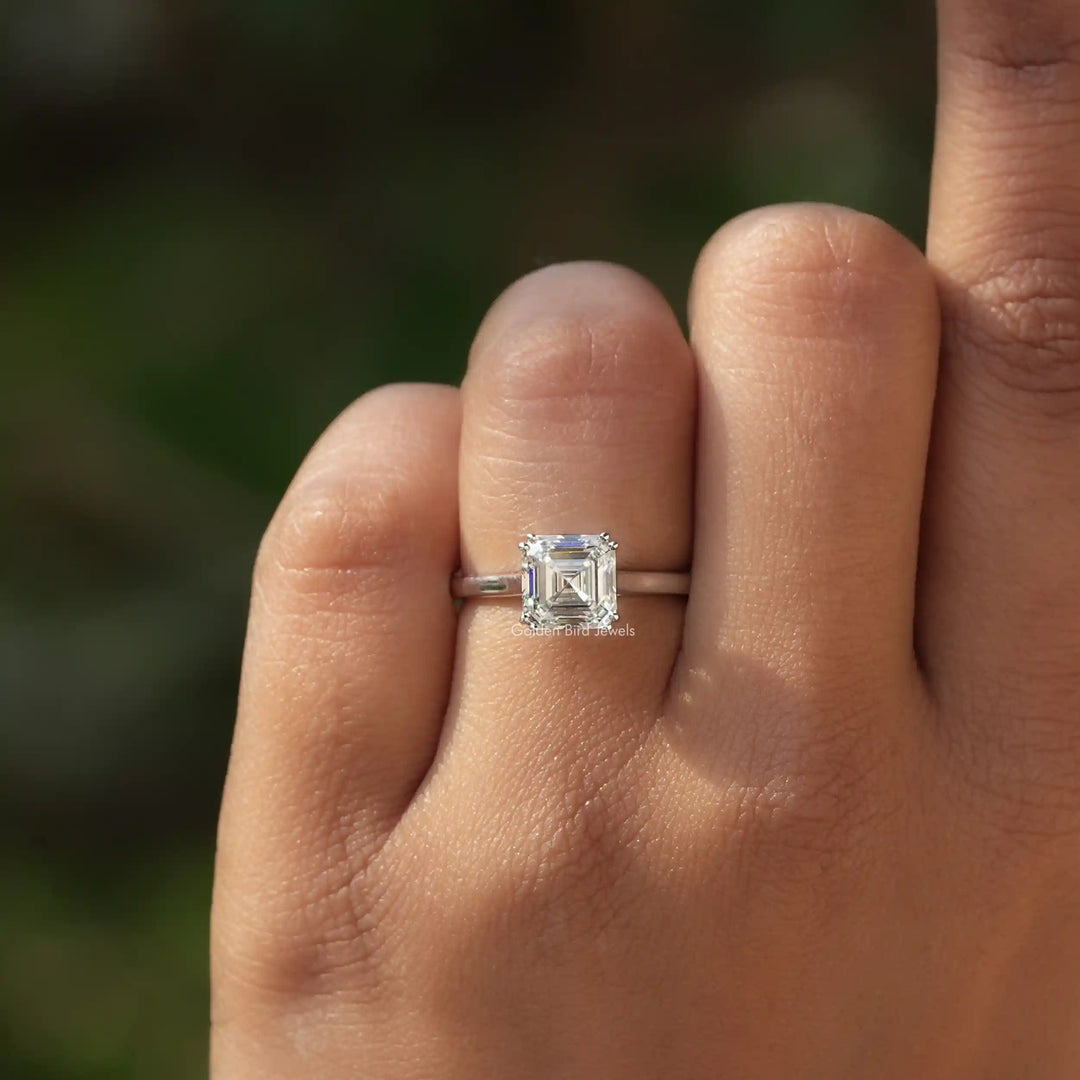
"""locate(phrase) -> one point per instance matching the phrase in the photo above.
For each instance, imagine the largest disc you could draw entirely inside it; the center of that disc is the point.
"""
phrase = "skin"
(820, 820)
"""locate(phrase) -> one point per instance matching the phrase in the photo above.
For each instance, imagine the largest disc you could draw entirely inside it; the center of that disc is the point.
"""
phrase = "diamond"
(568, 581)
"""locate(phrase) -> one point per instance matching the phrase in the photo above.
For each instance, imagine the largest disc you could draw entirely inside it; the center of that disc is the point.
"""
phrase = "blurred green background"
(220, 223)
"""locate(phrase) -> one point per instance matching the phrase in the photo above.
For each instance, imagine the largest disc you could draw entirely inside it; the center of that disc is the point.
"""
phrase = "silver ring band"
(631, 583)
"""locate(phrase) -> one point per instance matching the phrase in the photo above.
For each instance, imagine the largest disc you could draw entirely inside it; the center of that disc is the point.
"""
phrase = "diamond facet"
(568, 581)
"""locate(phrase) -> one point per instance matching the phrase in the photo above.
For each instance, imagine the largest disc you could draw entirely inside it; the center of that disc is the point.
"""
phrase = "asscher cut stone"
(568, 581)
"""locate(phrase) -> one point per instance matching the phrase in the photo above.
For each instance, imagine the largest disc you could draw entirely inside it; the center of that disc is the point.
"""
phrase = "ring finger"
(578, 417)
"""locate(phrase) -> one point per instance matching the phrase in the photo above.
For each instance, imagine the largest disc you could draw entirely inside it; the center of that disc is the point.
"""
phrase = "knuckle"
(1024, 322)
(571, 877)
(1033, 804)
(576, 882)
(830, 270)
(337, 522)
(823, 785)
(806, 849)
(579, 888)
(376, 493)
(561, 356)
(815, 817)
(1018, 753)
(602, 334)
(569, 365)
(307, 942)
(808, 840)
(1038, 53)
(812, 774)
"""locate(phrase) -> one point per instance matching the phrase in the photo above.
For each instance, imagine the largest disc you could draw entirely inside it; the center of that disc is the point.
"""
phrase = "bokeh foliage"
(220, 223)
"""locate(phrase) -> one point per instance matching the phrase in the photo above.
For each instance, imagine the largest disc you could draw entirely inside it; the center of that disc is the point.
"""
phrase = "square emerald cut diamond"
(568, 581)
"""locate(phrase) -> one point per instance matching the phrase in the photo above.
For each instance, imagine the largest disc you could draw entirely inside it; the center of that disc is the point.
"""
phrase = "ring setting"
(568, 581)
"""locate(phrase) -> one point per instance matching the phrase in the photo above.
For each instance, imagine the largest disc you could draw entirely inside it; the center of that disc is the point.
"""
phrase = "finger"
(816, 331)
(346, 674)
(1000, 590)
(578, 417)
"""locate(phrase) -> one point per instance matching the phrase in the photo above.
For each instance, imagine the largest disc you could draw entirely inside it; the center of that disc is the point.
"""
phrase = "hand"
(820, 820)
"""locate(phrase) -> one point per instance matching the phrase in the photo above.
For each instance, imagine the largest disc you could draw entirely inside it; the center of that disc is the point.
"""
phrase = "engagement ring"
(570, 580)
